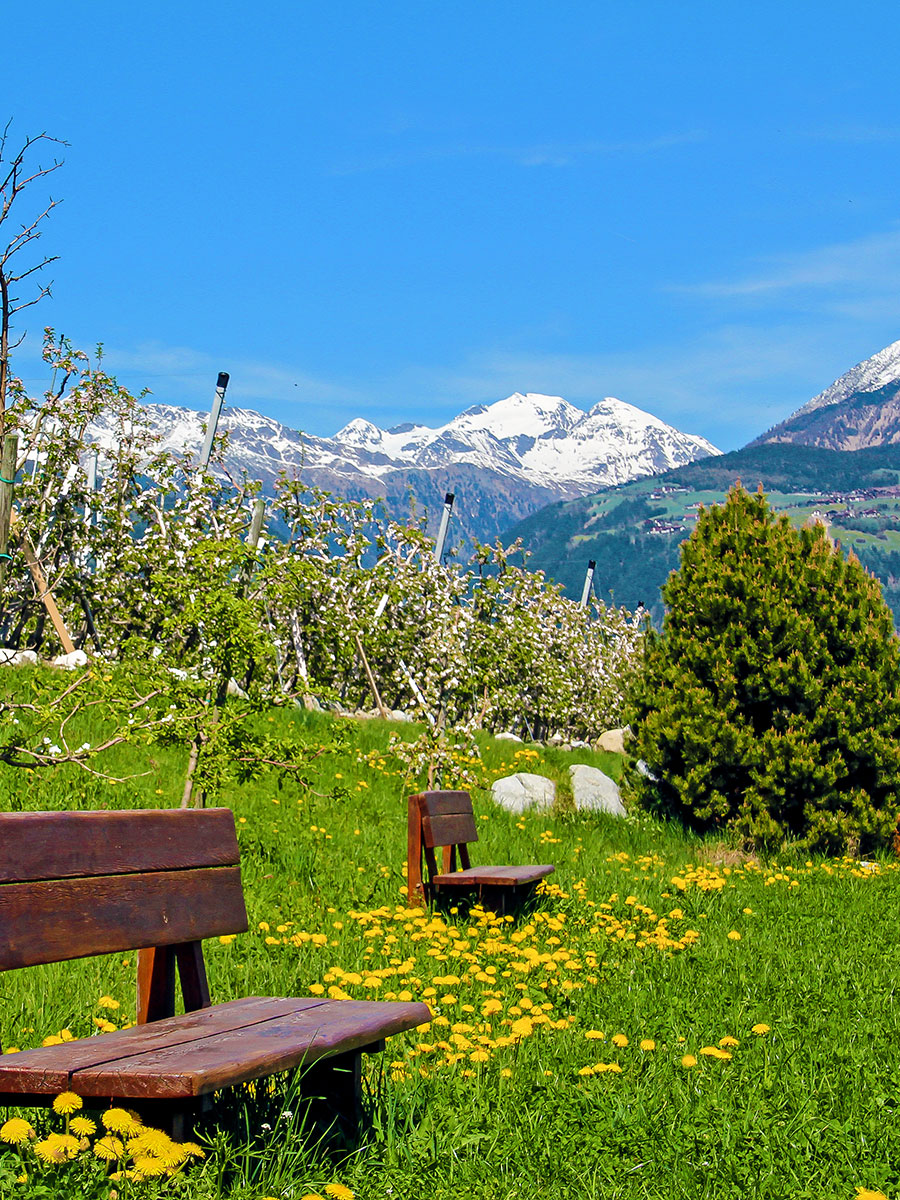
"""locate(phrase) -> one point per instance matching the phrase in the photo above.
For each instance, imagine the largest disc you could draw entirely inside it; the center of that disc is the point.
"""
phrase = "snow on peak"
(869, 375)
(528, 444)
(528, 413)
(359, 432)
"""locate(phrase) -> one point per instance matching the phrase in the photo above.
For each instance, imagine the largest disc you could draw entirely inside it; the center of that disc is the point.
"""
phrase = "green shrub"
(770, 702)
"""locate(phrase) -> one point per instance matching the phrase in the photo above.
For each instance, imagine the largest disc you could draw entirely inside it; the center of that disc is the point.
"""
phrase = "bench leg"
(506, 900)
(176, 1118)
(333, 1088)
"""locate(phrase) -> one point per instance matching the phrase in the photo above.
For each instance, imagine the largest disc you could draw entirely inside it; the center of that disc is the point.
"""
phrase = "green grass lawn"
(602, 1045)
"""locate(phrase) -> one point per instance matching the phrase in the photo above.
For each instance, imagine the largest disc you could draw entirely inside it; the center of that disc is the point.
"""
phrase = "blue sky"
(397, 210)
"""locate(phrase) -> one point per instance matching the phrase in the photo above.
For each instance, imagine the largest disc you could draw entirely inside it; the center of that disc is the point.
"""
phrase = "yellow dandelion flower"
(57, 1148)
(688, 1060)
(105, 1026)
(150, 1141)
(109, 1148)
(729, 1041)
(761, 1029)
(586, 1071)
(308, 1196)
(119, 1120)
(191, 1150)
(52, 1039)
(15, 1131)
(734, 936)
(108, 1002)
(67, 1103)
(620, 1040)
(648, 1044)
(82, 1127)
(148, 1167)
(714, 1052)
(524, 1027)
(338, 1191)
(595, 1035)
(867, 1194)
(479, 1056)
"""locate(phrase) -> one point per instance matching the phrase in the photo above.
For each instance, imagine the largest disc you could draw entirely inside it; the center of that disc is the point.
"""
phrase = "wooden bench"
(446, 820)
(74, 884)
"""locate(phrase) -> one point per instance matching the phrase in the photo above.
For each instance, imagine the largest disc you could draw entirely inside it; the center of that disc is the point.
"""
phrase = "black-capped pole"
(442, 532)
(588, 582)
(212, 424)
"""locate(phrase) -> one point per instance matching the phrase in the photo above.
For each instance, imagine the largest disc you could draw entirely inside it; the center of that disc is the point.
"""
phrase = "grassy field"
(674, 1019)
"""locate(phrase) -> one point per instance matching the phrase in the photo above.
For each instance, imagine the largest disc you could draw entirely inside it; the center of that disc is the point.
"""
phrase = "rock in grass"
(613, 740)
(593, 791)
(14, 658)
(70, 662)
(523, 791)
(507, 737)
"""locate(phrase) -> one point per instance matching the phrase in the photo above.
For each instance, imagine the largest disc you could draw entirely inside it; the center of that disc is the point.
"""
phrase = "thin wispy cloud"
(185, 372)
(539, 154)
(870, 264)
(856, 135)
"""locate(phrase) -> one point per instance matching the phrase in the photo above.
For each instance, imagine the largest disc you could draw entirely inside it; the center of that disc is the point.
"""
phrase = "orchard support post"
(212, 424)
(7, 484)
(256, 522)
(588, 582)
(442, 532)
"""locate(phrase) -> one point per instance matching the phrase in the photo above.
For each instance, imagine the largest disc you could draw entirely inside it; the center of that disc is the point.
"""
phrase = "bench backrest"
(74, 884)
(437, 819)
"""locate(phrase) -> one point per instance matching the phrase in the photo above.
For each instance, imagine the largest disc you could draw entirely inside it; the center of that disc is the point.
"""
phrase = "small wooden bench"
(446, 819)
(74, 884)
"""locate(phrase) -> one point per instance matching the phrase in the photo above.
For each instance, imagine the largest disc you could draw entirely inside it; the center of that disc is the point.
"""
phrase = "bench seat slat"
(64, 845)
(236, 1056)
(494, 875)
(56, 920)
(47, 1069)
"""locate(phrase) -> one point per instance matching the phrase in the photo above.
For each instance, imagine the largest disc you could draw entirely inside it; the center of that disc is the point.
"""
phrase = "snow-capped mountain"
(860, 409)
(503, 460)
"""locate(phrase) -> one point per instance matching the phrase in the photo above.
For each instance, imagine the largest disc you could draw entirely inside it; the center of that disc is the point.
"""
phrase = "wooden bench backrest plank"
(78, 884)
(66, 845)
(436, 819)
(447, 819)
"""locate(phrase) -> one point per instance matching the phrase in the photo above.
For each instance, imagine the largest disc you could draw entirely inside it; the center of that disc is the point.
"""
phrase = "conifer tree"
(770, 702)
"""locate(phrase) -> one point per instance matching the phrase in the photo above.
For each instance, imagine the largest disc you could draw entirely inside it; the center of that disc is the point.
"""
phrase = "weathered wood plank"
(450, 829)
(494, 875)
(440, 804)
(65, 845)
(229, 1058)
(48, 1069)
(55, 920)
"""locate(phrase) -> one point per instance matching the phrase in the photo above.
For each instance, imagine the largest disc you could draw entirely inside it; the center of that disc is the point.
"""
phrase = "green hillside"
(634, 531)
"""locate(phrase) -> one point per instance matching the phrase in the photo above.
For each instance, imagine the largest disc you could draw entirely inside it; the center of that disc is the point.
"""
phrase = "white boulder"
(594, 791)
(522, 791)
(613, 740)
(506, 737)
(15, 658)
(70, 662)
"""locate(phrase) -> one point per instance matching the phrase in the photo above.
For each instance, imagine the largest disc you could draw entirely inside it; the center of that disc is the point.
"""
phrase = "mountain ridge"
(503, 460)
(837, 459)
